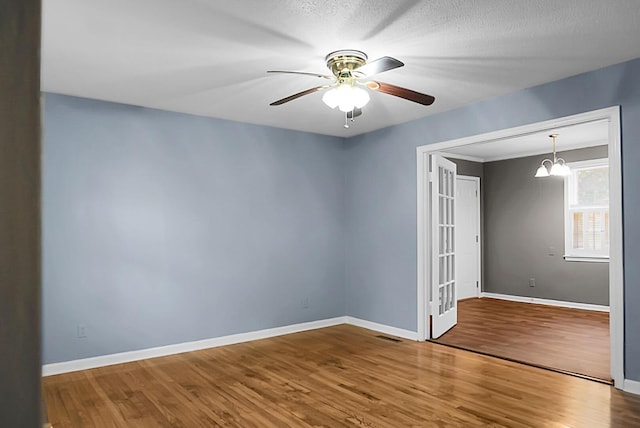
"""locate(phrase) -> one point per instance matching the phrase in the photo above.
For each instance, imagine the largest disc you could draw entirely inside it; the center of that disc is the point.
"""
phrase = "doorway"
(526, 217)
(467, 239)
(612, 118)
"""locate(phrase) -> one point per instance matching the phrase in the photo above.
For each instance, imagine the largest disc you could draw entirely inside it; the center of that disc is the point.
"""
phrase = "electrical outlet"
(304, 302)
(532, 282)
(81, 331)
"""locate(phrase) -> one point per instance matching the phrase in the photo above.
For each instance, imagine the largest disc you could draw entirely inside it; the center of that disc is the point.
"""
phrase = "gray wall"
(20, 213)
(381, 187)
(524, 234)
(470, 168)
(161, 228)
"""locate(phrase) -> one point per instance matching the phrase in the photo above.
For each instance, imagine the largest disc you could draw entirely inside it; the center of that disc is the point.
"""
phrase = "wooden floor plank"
(565, 339)
(341, 376)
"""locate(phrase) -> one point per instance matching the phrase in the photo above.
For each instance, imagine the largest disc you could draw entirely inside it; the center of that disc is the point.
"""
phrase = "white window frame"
(570, 254)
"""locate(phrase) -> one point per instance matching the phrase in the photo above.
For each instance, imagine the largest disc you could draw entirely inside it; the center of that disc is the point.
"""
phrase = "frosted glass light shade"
(346, 100)
(542, 172)
(556, 169)
(330, 98)
(560, 169)
(360, 97)
(346, 97)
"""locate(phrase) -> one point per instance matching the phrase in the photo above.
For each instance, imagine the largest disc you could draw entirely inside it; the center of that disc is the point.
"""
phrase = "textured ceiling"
(209, 57)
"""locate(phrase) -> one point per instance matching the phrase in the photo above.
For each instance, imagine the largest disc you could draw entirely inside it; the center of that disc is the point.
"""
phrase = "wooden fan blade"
(323, 76)
(398, 91)
(354, 113)
(379, 65)
(298, 95)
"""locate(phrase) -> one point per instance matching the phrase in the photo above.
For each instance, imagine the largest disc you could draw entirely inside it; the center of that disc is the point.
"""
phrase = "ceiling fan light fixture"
(346, 97)
(348, 91)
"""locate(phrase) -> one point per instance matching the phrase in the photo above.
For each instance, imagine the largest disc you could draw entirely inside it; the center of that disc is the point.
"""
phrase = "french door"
(444, 308)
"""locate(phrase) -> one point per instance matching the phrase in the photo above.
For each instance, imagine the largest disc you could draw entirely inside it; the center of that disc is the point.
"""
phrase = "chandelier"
(556, 167)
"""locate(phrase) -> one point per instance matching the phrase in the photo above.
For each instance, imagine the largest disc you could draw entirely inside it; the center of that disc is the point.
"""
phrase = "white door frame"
(616, 272)
(478, 228)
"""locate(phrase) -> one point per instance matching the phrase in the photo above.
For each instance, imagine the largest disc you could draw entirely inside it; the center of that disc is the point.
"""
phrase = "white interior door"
(467, 241)
(443, 282)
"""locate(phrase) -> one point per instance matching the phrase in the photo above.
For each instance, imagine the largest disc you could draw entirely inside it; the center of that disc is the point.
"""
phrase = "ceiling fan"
(348, 90)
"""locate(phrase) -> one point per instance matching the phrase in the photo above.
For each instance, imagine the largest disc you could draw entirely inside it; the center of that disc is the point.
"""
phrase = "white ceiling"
(569, 138)
(209, 57)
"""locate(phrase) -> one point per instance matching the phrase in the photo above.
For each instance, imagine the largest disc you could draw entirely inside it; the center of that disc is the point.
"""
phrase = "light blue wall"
(161, 228)
(380, 175)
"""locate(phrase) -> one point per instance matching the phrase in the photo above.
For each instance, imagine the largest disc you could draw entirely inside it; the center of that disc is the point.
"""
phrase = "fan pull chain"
(346, 120)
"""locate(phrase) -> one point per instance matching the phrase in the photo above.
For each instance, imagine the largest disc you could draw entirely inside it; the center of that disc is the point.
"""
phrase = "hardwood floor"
(337, 376)
(571, 340)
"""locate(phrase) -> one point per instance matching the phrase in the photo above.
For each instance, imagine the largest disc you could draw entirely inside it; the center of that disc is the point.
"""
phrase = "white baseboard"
(573, 305)
(161, 351)
(382, 328)
(631, 386)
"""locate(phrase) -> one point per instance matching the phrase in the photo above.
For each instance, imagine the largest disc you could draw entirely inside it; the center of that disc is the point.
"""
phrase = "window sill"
(591, 259)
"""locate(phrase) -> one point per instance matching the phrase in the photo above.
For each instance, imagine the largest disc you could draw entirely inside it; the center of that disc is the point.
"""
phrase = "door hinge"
(477, 284)
(476, 238)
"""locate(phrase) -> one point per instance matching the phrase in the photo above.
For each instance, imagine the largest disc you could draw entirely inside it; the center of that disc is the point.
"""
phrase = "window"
(586, 200)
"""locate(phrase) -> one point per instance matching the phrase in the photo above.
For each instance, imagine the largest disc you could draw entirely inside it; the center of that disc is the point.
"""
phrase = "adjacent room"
(523, 237)
(222, 213)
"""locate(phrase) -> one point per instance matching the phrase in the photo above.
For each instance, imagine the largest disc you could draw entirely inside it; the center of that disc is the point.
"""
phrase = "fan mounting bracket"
(343, 62)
